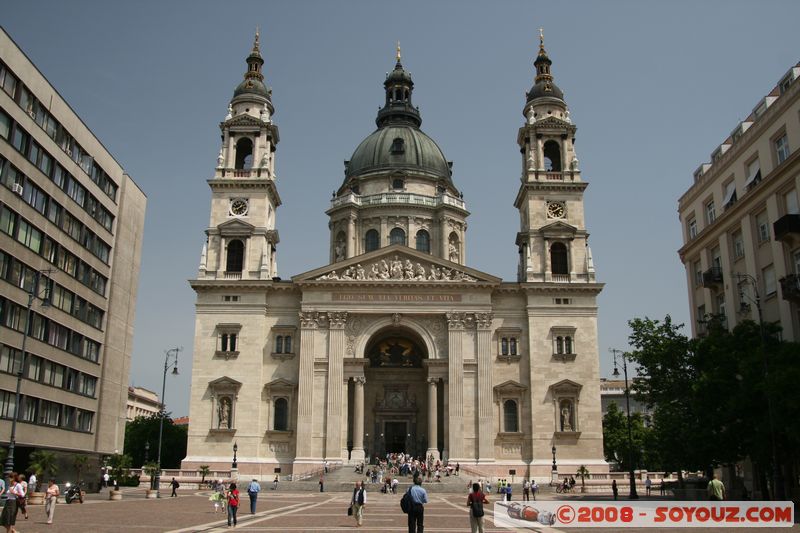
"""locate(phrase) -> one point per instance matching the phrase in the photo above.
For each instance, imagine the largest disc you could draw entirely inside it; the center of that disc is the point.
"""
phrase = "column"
(305, 389)
(539, 153)
(485, 427)
(564, 161)
(351, 236)
(433, 411)
(548, 275)
(333, 420)
(358, 419)
(443, 238)
(384, 237)
(345, 413)
(455, 375)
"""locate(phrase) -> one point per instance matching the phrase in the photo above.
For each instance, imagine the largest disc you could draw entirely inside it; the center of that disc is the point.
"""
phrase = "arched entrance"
(395, 414)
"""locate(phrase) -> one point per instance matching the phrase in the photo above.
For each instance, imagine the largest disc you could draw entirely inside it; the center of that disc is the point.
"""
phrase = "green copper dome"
(398, 147)
(253, 82)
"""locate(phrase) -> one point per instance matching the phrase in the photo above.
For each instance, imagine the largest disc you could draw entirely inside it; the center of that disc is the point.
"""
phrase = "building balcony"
(712, 277)
(787, 229)
(228, 173)
(397, 198)
(549, 175)
(790, 288)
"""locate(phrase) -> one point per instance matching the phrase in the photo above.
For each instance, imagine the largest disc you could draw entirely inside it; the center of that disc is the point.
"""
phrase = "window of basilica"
(283, 345)
(227, 340)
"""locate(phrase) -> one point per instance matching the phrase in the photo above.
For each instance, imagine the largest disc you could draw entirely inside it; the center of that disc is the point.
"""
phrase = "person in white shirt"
(32, 482)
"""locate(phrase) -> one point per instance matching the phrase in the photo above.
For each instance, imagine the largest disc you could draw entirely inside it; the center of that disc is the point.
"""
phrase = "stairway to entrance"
(343, 479)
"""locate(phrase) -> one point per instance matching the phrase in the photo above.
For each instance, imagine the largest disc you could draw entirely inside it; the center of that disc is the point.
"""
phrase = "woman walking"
(23, 500)
(233, 504)
(51, 496)
(9, 516)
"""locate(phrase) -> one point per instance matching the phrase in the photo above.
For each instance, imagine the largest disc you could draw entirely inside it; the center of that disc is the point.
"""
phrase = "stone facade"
(397, 344)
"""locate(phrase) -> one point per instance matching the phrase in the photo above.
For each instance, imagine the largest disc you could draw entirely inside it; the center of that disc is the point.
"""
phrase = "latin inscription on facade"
(366, 297)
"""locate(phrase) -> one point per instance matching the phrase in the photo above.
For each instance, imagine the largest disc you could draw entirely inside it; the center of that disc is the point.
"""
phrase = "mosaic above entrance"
(395, 352)
(397, 270)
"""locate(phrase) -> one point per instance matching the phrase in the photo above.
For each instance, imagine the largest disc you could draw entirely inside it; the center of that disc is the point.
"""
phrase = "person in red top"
(233, 504)
(475, 502)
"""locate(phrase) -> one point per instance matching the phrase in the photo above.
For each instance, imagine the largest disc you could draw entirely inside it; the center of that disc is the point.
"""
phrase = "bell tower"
(552, 241)
(241, 236)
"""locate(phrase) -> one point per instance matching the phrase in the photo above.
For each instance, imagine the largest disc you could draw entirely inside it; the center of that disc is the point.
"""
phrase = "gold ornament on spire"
(541, 41)
(255, 42)
(398, 51)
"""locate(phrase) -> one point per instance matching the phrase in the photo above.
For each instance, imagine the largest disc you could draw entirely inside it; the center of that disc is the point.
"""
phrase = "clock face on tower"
(239, 207)
(556, 210)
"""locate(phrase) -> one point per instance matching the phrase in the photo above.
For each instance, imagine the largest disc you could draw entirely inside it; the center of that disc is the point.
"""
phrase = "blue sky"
(653, 87)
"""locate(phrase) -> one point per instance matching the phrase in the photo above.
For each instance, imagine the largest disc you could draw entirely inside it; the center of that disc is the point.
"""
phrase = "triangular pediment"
(509, 387)
(224, 384)
(566, 386)
(280, 384)
(552, 122)
(393, 264)
(244, 120)
(235, 226)
(558, 230)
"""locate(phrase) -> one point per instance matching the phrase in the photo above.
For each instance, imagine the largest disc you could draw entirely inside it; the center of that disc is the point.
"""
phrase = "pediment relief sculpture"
(397, 269)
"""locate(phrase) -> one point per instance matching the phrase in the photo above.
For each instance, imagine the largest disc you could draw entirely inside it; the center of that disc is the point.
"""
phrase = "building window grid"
(711, 213)
(738, 245)
(692, 225)
(31, 105)
(782, 148)
(763, 227)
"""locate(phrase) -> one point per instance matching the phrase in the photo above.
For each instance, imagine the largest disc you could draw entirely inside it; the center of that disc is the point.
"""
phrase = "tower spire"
(398, 52)
(256, 44)
(542, 62)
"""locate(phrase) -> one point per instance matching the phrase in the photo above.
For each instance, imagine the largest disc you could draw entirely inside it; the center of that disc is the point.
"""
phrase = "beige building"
(69, 211)
(613, 391)
(741, 221)
(396, 344)
(142, 402)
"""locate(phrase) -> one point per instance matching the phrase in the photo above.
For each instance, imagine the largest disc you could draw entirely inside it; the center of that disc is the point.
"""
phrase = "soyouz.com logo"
(643, 514)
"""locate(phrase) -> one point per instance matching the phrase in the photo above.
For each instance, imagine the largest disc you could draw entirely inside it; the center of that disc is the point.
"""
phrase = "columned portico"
(433, 412)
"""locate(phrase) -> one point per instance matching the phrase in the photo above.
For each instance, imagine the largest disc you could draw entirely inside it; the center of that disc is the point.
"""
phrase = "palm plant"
(42, 462)
(583, 472)
(204, 471)
(80, 463)
(152, 469)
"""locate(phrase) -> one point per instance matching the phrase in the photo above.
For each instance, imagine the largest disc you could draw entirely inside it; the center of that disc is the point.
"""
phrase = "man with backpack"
(413, 503)
(475, 501)
(174, 484)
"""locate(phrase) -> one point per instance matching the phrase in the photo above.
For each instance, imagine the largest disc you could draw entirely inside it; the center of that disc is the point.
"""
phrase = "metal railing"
(397, 198)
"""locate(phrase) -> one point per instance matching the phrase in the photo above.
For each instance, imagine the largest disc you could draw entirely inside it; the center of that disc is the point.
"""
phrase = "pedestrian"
(106, 477)
(233, 504)
(22, 500)
(252, 490)
(216, 500)
(614, 489)
(475, 501)
(716, 490)
(358, 502)
(321, 483)
(508, 492)
(50, 498)
(534, 489)
(458, 467)
(647, 485)
(174, 484)
(526, 491)
(9, 515)
(416, 515)
(325, 465)
(32, 482)
(275, 483)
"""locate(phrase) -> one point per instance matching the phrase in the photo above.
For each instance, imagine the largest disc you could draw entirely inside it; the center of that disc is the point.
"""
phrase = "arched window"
(552, 156)
(235, 258)
(398, 184)
(567, 344)
(558, 259)
(371, 241)
(279, 344)
(510, 424)
(504, 346)
(281, 415)
(398, 146)
(397, 236)
(423, 241)
(244, 153)
(513, 344)
(287, 344)
(559, 345)
(224, 345)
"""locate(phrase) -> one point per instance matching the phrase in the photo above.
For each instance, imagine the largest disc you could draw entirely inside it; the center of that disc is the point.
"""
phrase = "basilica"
(396, 344)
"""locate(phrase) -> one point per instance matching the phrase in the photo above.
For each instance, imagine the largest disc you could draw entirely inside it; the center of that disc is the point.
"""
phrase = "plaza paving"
(281, 511)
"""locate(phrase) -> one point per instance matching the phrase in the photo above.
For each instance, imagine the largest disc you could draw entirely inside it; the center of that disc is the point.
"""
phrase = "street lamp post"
(554, 470)
(146, 451)
(235, 464)
(33, 293)
(633, 495)
(777, 475)
(170, 361)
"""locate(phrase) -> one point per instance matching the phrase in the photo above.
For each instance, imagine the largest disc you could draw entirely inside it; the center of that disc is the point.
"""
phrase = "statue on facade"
(224, 413)
(220, 159)
(453, 252)
(230, 112)
(361, 274)
(339, 251)
(408, 270)
(566, 424)
(384, 270)
(420, 271)
(397, 269)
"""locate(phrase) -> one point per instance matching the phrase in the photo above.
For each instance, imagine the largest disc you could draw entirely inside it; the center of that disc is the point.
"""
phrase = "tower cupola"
(544, 86)
(397, 108)
(253, 87)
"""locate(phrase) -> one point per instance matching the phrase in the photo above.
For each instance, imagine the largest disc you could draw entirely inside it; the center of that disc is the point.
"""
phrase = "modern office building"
(71, 225)
(396, 344)
(142, 402)
(741, 220)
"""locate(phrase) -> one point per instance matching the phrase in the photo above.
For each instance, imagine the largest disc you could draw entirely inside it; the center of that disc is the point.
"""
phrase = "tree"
(80, 462)
(616, 445)
(143, 430)
(152, 470)
(120, 466)
(204, 471)
(43, 462)
(583, 472)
